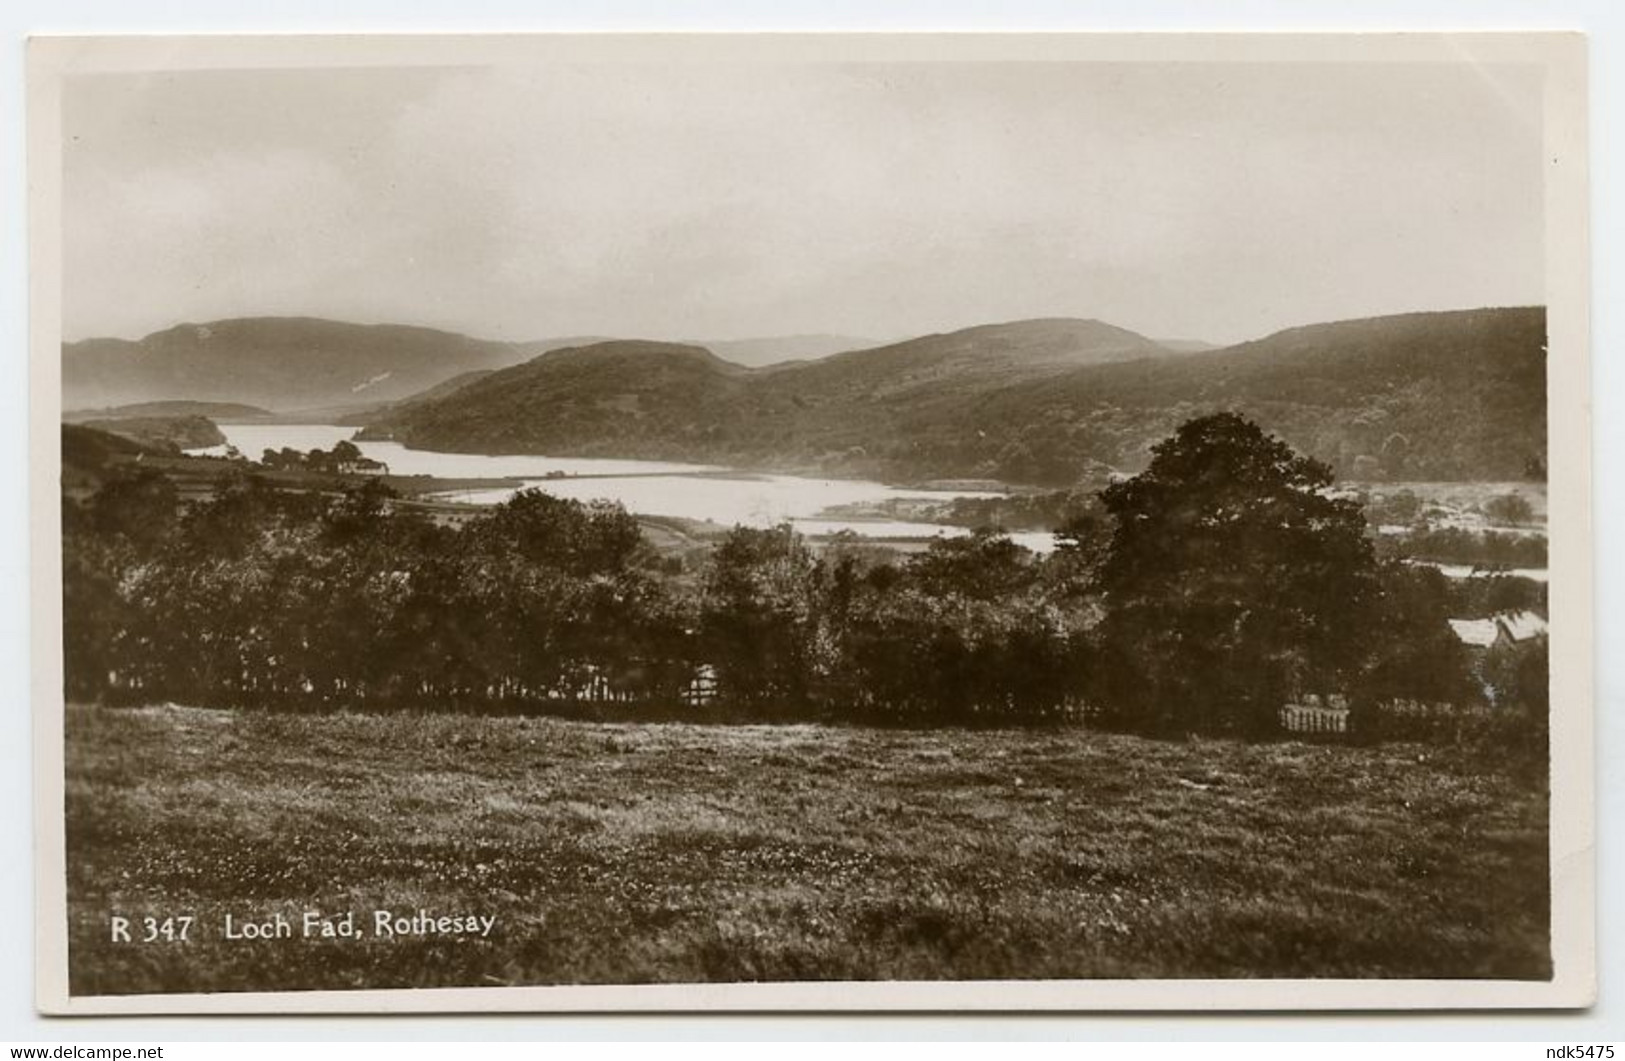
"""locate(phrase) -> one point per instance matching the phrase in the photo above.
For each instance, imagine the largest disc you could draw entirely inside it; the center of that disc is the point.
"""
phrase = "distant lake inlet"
(651, 488)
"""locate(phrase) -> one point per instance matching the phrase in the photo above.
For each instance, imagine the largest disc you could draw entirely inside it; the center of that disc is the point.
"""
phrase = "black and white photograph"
(811, 521)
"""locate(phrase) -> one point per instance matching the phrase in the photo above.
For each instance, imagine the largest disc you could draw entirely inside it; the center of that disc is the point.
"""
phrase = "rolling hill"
(1450, 395)
(278, 363)
(673, 401)
(232, 412)
(604, 399)
(162, 433)
(778, 349)
(90, 456)
(362, 415)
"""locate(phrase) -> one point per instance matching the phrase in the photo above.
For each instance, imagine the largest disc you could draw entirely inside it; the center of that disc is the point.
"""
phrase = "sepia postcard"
(811, 522)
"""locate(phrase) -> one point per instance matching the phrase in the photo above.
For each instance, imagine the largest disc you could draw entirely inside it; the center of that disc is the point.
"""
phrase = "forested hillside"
(1449, 396)
(684, 403)
(1457, 395)
(607, 399)
(165, 433)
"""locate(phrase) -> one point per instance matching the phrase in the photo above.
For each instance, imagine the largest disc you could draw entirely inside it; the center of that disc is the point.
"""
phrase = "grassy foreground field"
(647, 853)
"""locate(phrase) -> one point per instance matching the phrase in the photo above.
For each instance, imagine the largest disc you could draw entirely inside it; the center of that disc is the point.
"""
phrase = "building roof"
(1515, 626)
(1479, 633)
(1521, 626)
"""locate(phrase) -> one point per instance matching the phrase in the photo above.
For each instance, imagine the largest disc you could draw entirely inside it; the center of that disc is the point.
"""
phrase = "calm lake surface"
(656, 488)
(652, 488)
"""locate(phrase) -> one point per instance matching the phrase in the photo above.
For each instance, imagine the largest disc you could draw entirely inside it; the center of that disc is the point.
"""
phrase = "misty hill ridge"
(218, 411)
(1449, 395)
(297, 364)
(1014, 349)
(1066, 341)
(778, 349)
(278, 363)
(638, 353)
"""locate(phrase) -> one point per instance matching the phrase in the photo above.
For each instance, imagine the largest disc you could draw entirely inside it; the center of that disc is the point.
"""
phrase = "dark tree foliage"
(758, 616)
(1233, 582)
(1454, 545)
(968, 632)
(597, 538)
(1081, 545)
(268, 597)
(1197, 597)
(344, 599)
(1413, 654)
(985, 565)
(1509, 508)
(1490, 592)
(1033, 511)
(137, 507)
(93, 611)
(1519, 678)
(1400, 508)
(360, 514)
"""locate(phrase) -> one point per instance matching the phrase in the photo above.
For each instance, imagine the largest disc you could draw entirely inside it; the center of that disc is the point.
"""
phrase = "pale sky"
(1211, 201)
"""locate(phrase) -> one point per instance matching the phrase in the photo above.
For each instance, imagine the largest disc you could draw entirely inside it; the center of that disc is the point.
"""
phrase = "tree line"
(1197, 597)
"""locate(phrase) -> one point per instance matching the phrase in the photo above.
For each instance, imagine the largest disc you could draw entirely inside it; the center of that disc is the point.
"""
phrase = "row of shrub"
(1198, 597)
(275, 598)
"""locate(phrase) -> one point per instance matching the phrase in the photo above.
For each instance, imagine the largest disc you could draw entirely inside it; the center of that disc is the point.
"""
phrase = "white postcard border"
(1572, 832)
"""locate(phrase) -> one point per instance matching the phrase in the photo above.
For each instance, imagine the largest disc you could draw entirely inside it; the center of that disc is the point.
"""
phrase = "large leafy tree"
(1415, 655)
(1234, 581)
(758, 618)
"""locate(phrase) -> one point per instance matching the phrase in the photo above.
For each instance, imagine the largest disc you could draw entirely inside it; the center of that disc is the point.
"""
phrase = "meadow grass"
(638, 853)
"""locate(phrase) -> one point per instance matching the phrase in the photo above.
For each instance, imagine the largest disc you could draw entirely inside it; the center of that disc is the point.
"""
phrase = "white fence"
(1311, 718)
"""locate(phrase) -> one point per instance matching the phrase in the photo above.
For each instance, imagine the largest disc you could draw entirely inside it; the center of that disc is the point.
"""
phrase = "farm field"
(640, 853)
